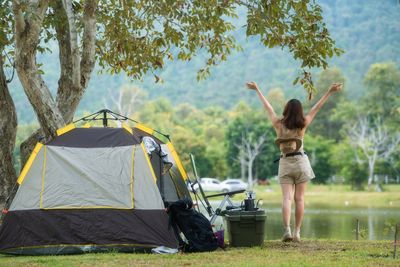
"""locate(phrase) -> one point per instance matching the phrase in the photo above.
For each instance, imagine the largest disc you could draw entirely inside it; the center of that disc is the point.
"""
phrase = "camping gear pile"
(95, 189)
(245, 223)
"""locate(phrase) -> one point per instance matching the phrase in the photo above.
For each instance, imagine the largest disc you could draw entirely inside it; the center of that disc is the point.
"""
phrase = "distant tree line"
(355, 142)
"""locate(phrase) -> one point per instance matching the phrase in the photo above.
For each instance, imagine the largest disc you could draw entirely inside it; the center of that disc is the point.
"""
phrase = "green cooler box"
(245, 228)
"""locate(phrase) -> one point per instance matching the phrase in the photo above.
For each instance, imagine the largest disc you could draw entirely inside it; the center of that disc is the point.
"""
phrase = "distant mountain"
(369, 32)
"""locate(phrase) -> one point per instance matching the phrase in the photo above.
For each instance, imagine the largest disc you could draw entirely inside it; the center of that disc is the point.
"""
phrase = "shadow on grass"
(380, 255)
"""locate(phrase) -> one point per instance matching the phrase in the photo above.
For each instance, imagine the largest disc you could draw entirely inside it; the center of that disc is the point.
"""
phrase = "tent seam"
(43, 174)
(132, 174)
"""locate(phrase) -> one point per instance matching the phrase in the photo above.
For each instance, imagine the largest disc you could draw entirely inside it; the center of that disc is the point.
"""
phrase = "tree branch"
(65, 83)
(40, 9)
(89, 41)
(75, 75)
(73, 39)
(19, 17)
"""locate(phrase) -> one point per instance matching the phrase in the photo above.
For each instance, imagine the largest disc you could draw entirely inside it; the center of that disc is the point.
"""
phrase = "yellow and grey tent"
(94, 189)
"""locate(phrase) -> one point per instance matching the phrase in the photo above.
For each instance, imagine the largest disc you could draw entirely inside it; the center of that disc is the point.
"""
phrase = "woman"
(294, 167)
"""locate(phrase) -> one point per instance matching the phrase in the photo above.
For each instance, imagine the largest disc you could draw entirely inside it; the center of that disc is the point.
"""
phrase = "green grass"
(272, 253)
(333, 196)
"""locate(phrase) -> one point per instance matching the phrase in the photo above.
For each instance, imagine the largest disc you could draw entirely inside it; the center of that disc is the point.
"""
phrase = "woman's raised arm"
(268, 107)
(335, 87)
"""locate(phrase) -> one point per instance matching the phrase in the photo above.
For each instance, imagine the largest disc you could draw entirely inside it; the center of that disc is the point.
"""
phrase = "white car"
(212, 184)
(235, 184)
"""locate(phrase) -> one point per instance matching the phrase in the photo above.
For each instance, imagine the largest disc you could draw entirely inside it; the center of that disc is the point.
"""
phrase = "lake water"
(334, 223)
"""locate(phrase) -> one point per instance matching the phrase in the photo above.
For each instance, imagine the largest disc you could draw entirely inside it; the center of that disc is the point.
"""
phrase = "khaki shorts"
(295, 170)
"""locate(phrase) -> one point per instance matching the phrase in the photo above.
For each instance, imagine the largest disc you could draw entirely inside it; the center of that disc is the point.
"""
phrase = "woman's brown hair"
(293, 117)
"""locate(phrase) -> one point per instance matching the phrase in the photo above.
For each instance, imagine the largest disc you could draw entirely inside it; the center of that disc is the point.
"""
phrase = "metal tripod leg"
(221, 205)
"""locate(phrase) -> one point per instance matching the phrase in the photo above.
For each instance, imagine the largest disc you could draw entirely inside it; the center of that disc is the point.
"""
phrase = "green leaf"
(296, 80)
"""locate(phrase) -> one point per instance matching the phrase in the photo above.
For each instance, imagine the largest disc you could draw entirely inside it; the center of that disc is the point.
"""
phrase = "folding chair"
(204, 199)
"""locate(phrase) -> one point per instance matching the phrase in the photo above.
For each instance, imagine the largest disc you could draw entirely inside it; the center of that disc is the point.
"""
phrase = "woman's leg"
(287, 195)
(299, 202)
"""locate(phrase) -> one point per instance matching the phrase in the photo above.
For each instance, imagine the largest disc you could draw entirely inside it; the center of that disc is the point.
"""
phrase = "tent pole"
(208, 205)
(104, 118)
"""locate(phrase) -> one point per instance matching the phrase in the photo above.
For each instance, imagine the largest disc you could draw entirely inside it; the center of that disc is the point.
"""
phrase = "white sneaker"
(296, 237)
(287, 236)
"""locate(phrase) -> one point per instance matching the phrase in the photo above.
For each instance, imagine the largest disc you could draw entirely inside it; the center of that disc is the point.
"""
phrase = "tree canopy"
(137, 36)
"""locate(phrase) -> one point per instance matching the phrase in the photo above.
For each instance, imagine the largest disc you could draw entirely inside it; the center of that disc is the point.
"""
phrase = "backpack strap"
(289, 136)
(298, 141)
(172, 207)
(172, 223)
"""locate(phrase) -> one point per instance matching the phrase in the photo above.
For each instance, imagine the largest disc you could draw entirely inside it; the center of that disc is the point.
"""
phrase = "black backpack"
(194, 225)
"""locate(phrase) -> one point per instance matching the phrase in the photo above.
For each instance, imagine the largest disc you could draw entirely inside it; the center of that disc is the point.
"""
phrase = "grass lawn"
(272, 253)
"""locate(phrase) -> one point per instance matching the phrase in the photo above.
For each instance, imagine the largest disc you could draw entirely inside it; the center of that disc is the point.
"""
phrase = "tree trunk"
(74, 77)
(27, 30)
(28, 25)
(250, 174)
(38, 93)
(371, 167)
(8, 130)
(242, 166)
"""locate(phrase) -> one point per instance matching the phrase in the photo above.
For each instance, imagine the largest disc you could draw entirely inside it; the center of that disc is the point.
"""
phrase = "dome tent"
(94, 189)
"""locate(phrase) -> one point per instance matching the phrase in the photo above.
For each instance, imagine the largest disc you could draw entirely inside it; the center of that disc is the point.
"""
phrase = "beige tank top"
(289, 140)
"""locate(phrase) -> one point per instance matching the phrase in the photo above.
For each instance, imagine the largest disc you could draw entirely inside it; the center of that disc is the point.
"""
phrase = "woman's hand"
(252, 86)
(335, 87)
(268, 107)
